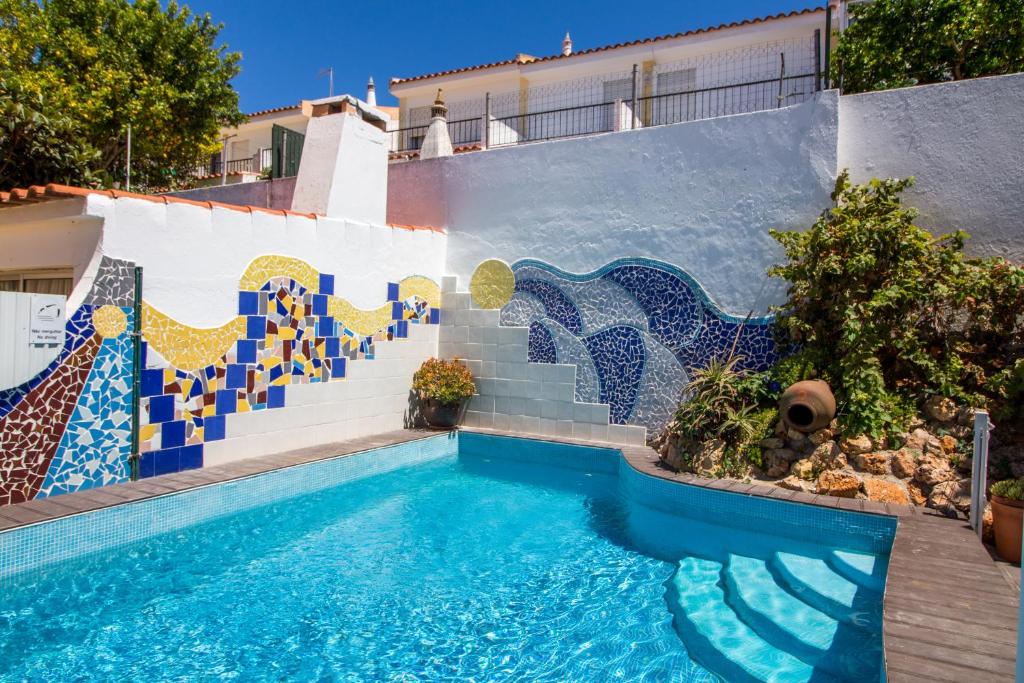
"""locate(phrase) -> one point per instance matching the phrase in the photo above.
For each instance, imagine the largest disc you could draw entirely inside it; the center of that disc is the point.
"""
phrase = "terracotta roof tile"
(38, 193)
(527, 59)
(274, 110)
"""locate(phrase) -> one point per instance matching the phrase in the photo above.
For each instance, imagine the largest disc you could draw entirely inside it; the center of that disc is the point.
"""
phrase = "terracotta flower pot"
(1007, 521)
(441, 415)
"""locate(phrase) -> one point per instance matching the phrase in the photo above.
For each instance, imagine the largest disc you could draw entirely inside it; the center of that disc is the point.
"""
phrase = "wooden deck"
(950, 611)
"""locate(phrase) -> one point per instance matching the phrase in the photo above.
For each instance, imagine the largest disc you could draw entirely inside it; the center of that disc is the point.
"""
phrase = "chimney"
(566, 45)
(437, 142)
(371, 93)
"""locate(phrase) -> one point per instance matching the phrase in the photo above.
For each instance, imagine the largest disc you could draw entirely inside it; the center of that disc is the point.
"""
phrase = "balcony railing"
(604, 117)
(254, 164)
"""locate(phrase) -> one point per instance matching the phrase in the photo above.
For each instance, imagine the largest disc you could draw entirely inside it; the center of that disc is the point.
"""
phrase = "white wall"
(699, 195)
(191, 253)
(49, 236)
(963, 142)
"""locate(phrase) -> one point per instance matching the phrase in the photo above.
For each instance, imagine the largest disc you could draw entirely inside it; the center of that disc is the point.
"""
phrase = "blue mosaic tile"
(248, 303)
(541, 345)
(326, 283)
(671, 320)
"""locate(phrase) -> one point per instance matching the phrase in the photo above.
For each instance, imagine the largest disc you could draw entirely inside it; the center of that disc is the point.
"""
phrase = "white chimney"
(371, 93)
(566, 45)
(437, 142)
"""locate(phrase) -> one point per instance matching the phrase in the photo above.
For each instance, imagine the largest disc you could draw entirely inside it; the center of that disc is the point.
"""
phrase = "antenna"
(329, 72)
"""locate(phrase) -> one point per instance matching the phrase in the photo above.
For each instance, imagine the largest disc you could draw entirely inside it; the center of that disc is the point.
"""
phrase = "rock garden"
(903, 332)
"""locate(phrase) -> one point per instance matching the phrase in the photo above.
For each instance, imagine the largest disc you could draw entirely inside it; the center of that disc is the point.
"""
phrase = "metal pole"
(828, 45)
(817, 59)
(782, 76)
(979, 469)
(128, 163)
(486, 134)
(224, 160)
(133, 457)
(632, 111)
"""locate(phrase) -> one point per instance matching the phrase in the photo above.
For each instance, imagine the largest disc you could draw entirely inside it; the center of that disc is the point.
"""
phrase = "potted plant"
(1008, 517)
(442, 385)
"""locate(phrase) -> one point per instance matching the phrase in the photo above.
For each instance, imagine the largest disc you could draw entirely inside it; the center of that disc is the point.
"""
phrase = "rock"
(775, 461)
(873, 463)
(931, 471)
(821, 436)
(923, 441)
(882, 491)
(773, 442)
(802, 469)
(794, 484)
(852, 445)
(965, 417)
(918, 493)
(987, 533)
(827, 456)
(940, 409)
(904, 462)
(796, 439)
(948, 444)
(839, 484)
(950, 497)
(780, 429)
(709, 458)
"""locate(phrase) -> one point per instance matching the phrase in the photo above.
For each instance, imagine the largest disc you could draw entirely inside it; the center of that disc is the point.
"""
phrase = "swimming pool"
(455, 557)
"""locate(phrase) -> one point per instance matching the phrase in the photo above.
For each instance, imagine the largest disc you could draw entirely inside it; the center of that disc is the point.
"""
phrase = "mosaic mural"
(69, 427)
(290, 329)
(634, 328)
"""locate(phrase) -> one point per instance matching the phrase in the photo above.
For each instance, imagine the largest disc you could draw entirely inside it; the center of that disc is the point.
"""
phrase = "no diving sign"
(46, 325)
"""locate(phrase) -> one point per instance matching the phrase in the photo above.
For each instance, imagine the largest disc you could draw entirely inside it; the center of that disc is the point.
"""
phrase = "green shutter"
(286, 151)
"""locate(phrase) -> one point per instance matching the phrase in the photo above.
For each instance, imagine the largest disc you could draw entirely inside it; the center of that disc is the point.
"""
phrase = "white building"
(269, 144)
(746, 66)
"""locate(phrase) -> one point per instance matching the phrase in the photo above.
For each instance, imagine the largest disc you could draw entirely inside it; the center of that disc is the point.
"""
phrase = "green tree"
(899, 43)
(91, 67)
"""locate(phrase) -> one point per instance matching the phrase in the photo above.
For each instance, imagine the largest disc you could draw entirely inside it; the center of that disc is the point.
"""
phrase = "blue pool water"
(477, 566)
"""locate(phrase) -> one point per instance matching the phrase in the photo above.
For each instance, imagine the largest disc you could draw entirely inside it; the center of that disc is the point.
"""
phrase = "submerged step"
(717, 638)
(860, 568)
(817, 584)
(792, 625)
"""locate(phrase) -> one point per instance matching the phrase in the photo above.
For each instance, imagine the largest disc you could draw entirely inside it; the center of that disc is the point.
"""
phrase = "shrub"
(444, 381)
(889, 314)
(722, 402)
(1012, 489)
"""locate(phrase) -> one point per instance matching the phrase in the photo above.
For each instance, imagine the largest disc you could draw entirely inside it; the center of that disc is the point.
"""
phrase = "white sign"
(46, 326)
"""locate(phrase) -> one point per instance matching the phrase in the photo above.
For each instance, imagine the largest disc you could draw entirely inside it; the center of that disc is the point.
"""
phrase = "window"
(676, 102)
(620, 89)
(37, 282)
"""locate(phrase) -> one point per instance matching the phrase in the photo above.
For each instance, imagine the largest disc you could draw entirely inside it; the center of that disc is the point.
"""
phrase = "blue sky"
(285, 44)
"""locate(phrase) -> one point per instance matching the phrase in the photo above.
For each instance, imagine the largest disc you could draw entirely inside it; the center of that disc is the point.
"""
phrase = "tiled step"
(716, 638)
(860, 568)
(792, 625)
(817, 584)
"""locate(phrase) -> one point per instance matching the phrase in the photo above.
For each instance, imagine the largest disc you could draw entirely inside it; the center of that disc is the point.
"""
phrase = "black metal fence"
(653, 110)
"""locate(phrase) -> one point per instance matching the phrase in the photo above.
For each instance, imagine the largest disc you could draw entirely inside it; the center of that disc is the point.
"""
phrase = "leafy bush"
(1012, 489)
(444, 381)
(889, 314)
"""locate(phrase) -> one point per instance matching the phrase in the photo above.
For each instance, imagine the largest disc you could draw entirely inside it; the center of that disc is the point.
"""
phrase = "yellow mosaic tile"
(492, 284)
(269, 266)
(185, 347)
(109, 321)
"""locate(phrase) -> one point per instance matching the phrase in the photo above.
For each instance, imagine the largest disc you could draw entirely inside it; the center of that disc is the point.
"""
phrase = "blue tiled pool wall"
(552, 453)
(69, 427)
(634, 328)
(70, 537)
(825, 526)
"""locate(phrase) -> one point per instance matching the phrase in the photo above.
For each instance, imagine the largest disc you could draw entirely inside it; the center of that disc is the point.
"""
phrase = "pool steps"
(752, 620)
